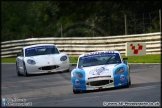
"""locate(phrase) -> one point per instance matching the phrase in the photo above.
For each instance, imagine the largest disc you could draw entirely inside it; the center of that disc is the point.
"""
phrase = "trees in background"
(22, 19)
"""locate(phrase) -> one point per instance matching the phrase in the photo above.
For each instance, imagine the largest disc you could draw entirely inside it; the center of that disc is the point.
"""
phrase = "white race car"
(100, 70)
(41, 58)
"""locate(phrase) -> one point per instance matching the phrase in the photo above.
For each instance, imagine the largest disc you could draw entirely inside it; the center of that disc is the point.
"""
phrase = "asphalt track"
(56, 90)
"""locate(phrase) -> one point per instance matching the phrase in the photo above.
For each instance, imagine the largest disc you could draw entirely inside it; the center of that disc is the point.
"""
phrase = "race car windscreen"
(99, 59)
(41, 50)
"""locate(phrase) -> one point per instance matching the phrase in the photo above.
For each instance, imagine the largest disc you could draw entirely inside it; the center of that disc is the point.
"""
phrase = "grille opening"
(99, 77)
(48, 67)
(111, 81)
(99, 83)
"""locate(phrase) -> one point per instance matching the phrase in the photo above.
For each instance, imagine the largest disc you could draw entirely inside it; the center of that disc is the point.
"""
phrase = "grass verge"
(149, 58)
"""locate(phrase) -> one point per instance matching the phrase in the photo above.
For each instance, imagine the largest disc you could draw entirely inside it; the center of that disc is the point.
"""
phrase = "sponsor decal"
(124, 83)
(98, 70)
(78, 89)
(77, 82)
(119, 83)
(99, 53)
(122, 77)
(3, 101)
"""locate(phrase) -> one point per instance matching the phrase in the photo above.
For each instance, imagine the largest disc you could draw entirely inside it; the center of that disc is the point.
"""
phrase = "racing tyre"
(75, 92)
(68, 70)
(129, 81)
(25, 71)
(127, 85)
(17, 71)
(129, 77)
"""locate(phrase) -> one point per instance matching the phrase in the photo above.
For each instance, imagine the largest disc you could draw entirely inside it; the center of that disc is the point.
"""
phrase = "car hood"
(100, 70)
(45, 59)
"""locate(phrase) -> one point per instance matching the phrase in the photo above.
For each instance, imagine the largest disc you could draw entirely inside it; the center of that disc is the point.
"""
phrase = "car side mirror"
(125, 60)
(62, 50)
(18, 54)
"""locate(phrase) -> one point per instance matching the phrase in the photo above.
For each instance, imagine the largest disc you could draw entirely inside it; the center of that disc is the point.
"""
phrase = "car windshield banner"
(99, 54)
(39, 47)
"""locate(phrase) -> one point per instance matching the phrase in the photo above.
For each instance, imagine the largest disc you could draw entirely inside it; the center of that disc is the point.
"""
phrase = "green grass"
(8, 60)
(150, 58)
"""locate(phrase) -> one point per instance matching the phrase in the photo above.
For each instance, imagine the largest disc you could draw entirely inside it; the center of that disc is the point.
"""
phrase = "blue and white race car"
(100, 70)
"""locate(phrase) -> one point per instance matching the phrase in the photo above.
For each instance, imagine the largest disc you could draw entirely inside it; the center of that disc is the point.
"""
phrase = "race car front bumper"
(38, 69)
(99, 83)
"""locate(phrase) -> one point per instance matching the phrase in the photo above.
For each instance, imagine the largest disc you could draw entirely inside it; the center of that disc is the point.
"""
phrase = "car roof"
(115, 51)
(38, 45)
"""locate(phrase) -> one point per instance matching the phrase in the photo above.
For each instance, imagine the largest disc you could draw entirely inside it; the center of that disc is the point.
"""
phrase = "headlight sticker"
(78, 74)
(122, 77)
(119, 70)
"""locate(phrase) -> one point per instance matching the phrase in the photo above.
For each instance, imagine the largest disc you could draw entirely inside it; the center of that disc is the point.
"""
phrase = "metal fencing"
(80, 45)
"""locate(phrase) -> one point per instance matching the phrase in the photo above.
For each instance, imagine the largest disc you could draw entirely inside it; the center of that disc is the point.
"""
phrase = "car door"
(20, 61)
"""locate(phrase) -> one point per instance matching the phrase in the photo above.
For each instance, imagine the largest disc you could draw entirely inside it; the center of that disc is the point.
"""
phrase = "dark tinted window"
(41, 50)
(100, 59)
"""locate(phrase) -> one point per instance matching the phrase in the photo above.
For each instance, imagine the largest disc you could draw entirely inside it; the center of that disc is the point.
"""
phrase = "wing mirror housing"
(125, 60)
(62, 50)
(18, 54)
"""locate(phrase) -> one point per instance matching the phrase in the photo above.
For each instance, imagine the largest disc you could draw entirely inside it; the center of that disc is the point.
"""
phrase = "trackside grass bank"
(149, 58)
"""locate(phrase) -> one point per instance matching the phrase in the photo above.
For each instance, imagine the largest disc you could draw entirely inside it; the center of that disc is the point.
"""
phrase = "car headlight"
(119, 70)
(63, 58)
(31, 61)
(78, 75)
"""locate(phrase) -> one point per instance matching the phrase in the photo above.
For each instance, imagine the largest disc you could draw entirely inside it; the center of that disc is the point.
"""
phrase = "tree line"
(27, 19)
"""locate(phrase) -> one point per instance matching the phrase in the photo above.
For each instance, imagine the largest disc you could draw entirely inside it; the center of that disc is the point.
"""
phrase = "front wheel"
(17, 71)
(75, 92)
(129, 81)
(25, 71)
